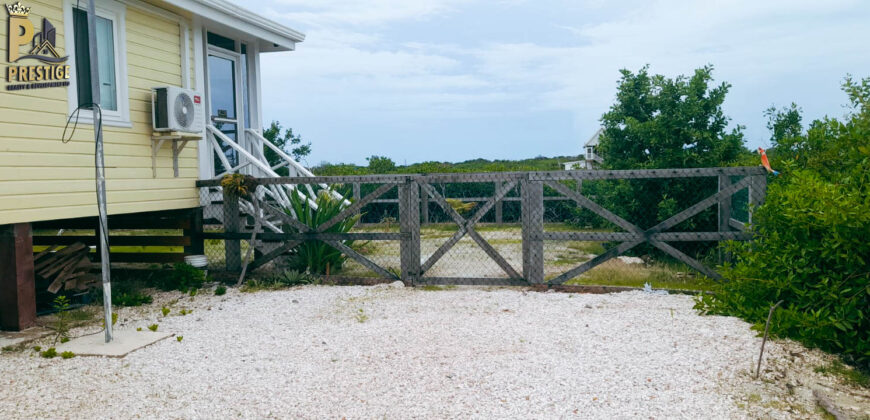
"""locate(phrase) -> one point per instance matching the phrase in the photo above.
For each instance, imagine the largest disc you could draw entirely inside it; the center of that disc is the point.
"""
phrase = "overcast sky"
(452, 80)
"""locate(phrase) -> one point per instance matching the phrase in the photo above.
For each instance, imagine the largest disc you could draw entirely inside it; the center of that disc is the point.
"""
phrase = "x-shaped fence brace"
(636, 236)
(466, 226)
(531, 185)
(306, 232)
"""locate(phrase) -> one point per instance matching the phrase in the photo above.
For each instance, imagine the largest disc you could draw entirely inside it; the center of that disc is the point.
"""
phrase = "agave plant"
(317, 257)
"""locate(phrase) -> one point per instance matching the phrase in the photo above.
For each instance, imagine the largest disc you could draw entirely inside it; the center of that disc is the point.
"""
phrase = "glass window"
(105, 37)
(221, 41)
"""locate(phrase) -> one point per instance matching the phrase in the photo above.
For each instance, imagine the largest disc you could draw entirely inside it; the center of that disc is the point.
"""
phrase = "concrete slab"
(124, 342)
(15, 338)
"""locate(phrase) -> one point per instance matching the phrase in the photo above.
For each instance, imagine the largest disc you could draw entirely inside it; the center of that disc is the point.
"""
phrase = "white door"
(225, 104)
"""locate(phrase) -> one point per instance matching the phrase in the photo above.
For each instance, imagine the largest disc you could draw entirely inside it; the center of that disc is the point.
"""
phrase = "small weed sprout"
(165, 311)
(220, 291)
(179, 338)
(49, 354)
(185, 312)
(139, 329)
(61, 325)
(361, 316)
(67, 355)
(64, 340)
(37, 348)
(153, 327)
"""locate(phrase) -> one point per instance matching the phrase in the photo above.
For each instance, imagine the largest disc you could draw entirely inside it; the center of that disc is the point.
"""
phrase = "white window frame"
(117, 13)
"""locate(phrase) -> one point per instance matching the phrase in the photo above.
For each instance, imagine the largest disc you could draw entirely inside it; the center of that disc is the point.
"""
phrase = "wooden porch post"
(17, 284)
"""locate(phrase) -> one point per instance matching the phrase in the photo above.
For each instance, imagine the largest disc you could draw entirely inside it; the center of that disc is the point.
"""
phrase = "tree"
(810, 246)
(288, 142)
(784, 124)
(381, 164)
(659, 122)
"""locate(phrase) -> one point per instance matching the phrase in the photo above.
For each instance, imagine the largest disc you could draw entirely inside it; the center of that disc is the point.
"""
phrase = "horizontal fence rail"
(397, 240)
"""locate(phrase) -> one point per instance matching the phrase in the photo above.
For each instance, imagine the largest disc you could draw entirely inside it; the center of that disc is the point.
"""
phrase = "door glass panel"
(222, 97)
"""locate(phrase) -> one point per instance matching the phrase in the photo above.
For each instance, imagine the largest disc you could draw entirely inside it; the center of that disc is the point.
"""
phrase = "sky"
(452, 80)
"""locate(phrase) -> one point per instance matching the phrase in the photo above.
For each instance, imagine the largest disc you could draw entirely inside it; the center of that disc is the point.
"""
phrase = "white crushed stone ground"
(462, 353)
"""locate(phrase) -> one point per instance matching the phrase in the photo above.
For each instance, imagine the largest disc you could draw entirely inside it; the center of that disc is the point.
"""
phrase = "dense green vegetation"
(385, 165)
(811, 248)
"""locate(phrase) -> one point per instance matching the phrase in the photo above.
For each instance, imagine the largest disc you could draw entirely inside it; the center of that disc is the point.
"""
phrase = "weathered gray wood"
(232, 224)
(594, 207)
(533, 228)
(736, 224)
(409, 226)
(424, 206)
(699, 206)
(691, 262)
(492, 253)
(471, 281)
(662, 236)
(588, 265)
(346, 250)
(511, 176)
(271, 255)
(353, 208)
(465, 226)
(757, 191)
(309, 236)
(357, 191)
(724, 215)
(268, 208)
(499, 205)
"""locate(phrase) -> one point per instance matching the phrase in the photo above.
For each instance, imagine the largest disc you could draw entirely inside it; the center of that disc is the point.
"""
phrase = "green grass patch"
(435, 287)
(659, 276)
(849, 374)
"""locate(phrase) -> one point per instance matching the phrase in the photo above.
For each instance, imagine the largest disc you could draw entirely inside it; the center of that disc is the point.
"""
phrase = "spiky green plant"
(316, 256)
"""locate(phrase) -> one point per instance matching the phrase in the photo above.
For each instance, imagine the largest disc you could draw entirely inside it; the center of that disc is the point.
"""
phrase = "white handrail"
(292, 162)
(257, 162)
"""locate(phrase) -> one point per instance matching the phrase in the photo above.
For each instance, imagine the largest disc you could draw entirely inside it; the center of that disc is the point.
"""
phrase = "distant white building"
(591, 158)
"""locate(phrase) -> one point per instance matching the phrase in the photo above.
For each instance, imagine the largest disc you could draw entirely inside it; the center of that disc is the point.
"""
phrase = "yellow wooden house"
(47, 175)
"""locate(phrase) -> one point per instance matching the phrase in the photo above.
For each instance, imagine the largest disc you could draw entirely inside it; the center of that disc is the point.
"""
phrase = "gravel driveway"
(365, 352)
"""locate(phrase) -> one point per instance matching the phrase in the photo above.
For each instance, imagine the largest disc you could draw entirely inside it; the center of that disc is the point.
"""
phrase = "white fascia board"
(226, 13)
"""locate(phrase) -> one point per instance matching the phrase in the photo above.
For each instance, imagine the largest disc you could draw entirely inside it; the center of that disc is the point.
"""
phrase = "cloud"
(393, 60)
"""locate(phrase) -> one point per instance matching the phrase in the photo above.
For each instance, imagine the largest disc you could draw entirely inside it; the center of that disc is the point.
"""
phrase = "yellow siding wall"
(42, 178)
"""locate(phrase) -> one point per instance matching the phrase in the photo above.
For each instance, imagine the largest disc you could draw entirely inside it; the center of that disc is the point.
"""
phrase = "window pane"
(106, 60)
(83, 63)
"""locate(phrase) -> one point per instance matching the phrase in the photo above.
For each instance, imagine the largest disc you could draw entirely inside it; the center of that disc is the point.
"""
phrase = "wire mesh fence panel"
(486, 228)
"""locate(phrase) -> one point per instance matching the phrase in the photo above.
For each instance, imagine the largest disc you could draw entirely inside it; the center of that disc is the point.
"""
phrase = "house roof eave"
(230, 14)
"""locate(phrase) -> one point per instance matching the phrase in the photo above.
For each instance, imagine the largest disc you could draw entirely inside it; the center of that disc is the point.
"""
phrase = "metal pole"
(100, 168)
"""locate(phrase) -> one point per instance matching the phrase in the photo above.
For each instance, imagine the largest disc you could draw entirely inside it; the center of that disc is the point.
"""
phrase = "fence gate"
(505, 228)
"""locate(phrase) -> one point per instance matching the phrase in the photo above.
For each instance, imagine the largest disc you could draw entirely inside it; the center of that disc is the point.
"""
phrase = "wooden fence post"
(194, 233)
(232, 224)
(533, 230)
(424, 206)
(724, 214)
(409, 227)
(356, 195)
(498, 204)
(757, 191)
(17, 282)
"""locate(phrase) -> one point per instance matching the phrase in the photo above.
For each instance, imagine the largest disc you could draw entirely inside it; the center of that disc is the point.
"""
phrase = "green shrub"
(49, 354)
(811, 245)
(184, 277)
(67, 355)
(316, 256)
(153, 327)
(220, 291)
(292, 278)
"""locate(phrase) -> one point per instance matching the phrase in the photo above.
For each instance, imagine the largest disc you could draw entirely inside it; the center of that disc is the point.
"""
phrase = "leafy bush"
(184, 277)
(316, 256)
(67, 355)
(49, 354)
(220, 291)
(811, 248)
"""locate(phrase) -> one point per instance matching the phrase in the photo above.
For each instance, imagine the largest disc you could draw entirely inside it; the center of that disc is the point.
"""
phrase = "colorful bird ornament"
(765, 162)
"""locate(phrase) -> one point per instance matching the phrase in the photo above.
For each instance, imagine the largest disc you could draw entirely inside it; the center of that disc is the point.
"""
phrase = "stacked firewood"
(68, 268)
